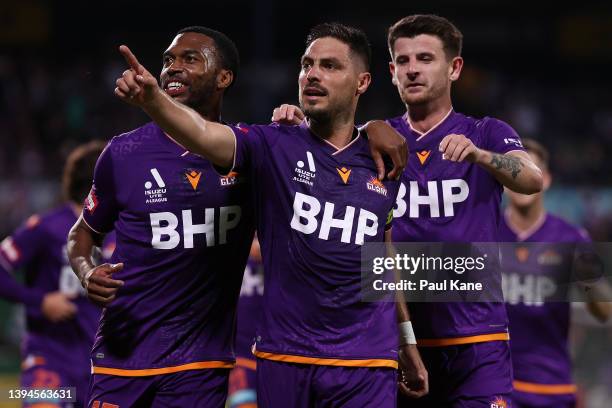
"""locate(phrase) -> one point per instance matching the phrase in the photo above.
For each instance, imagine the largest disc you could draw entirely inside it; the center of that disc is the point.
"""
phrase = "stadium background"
(544, 70)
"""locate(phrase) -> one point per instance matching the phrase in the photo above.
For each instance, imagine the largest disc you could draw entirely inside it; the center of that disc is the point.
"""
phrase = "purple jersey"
(530, 271)
(183, 234)
(443, 201)
(249, 308)
(316, 206)
(39, 247)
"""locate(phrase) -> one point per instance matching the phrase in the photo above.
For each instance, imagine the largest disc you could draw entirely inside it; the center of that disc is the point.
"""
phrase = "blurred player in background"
(60, 321)
(539, 328)
(166, 336)
(317, 201)
(243, 378)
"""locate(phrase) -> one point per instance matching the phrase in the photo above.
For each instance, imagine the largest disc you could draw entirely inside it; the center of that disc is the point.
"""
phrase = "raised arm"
(138, 87)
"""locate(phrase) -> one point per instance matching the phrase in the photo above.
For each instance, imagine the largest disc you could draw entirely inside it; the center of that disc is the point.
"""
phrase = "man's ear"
(455, 68)
(224, 79)
(364, 82)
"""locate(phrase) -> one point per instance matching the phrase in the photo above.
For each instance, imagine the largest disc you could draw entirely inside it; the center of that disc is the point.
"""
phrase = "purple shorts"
(470, 375)
(283, 385)
(42, 373)
(193, 388)
(243, 384)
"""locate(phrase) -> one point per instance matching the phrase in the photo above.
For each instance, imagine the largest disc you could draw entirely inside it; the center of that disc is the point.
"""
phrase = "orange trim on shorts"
(547, 389)
(247, 405)
(287, 358)
(165, 370)
(454, 341)
(44, 405)
(246, 363)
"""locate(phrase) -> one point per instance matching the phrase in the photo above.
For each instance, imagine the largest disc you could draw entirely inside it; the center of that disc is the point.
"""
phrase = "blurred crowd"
(47, 107)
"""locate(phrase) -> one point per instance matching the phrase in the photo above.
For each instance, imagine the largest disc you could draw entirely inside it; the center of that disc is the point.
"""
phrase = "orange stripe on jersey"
(287, 358)
(247, 405)
(454, 341)
(44, 405)
(548, 389)
(246, 363)
(165, 370)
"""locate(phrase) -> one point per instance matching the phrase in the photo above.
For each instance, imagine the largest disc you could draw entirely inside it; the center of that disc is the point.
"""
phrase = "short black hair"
(79, 169)
(228, 52)
(355, 38)
(430, 24)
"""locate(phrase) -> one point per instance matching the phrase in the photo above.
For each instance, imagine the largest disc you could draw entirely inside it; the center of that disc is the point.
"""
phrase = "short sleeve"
(23, 245)
(18, 250)
(252, 144)
(100, 209)
(499, 137)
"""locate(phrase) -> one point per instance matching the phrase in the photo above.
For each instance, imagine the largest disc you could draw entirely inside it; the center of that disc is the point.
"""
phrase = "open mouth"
(174, 88)
(313, 92)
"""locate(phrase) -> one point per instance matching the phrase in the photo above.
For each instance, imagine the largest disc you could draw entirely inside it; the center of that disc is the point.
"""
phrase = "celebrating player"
(450, 191)
(317, 201)
(183, 236)
(60, 322)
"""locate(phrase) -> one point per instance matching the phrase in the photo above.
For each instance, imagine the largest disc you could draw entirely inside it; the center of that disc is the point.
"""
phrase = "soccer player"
(166, 335)
(542, 364)
(60, 321)
(451, 192)
(243, 379)
(317, 201)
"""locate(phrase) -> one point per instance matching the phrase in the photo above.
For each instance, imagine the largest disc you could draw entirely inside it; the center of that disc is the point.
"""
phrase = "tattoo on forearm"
(509, 163)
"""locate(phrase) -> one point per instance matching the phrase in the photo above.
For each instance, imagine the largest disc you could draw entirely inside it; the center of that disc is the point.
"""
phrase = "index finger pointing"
(131, 59)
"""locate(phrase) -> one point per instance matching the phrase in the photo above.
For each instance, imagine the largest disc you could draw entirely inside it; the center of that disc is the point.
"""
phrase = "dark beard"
(317, 114)
(203, 97)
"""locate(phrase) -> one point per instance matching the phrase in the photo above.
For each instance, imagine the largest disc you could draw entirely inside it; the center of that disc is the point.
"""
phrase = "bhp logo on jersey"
(377, 186)
(531, 290)
(165, 226)
(307, 219)
(453, 191)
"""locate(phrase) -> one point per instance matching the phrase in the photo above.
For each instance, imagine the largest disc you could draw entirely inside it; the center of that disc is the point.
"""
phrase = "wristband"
(406, 333)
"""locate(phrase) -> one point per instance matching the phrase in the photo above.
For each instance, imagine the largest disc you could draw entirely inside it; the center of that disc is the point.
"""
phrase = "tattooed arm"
(514, 169)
